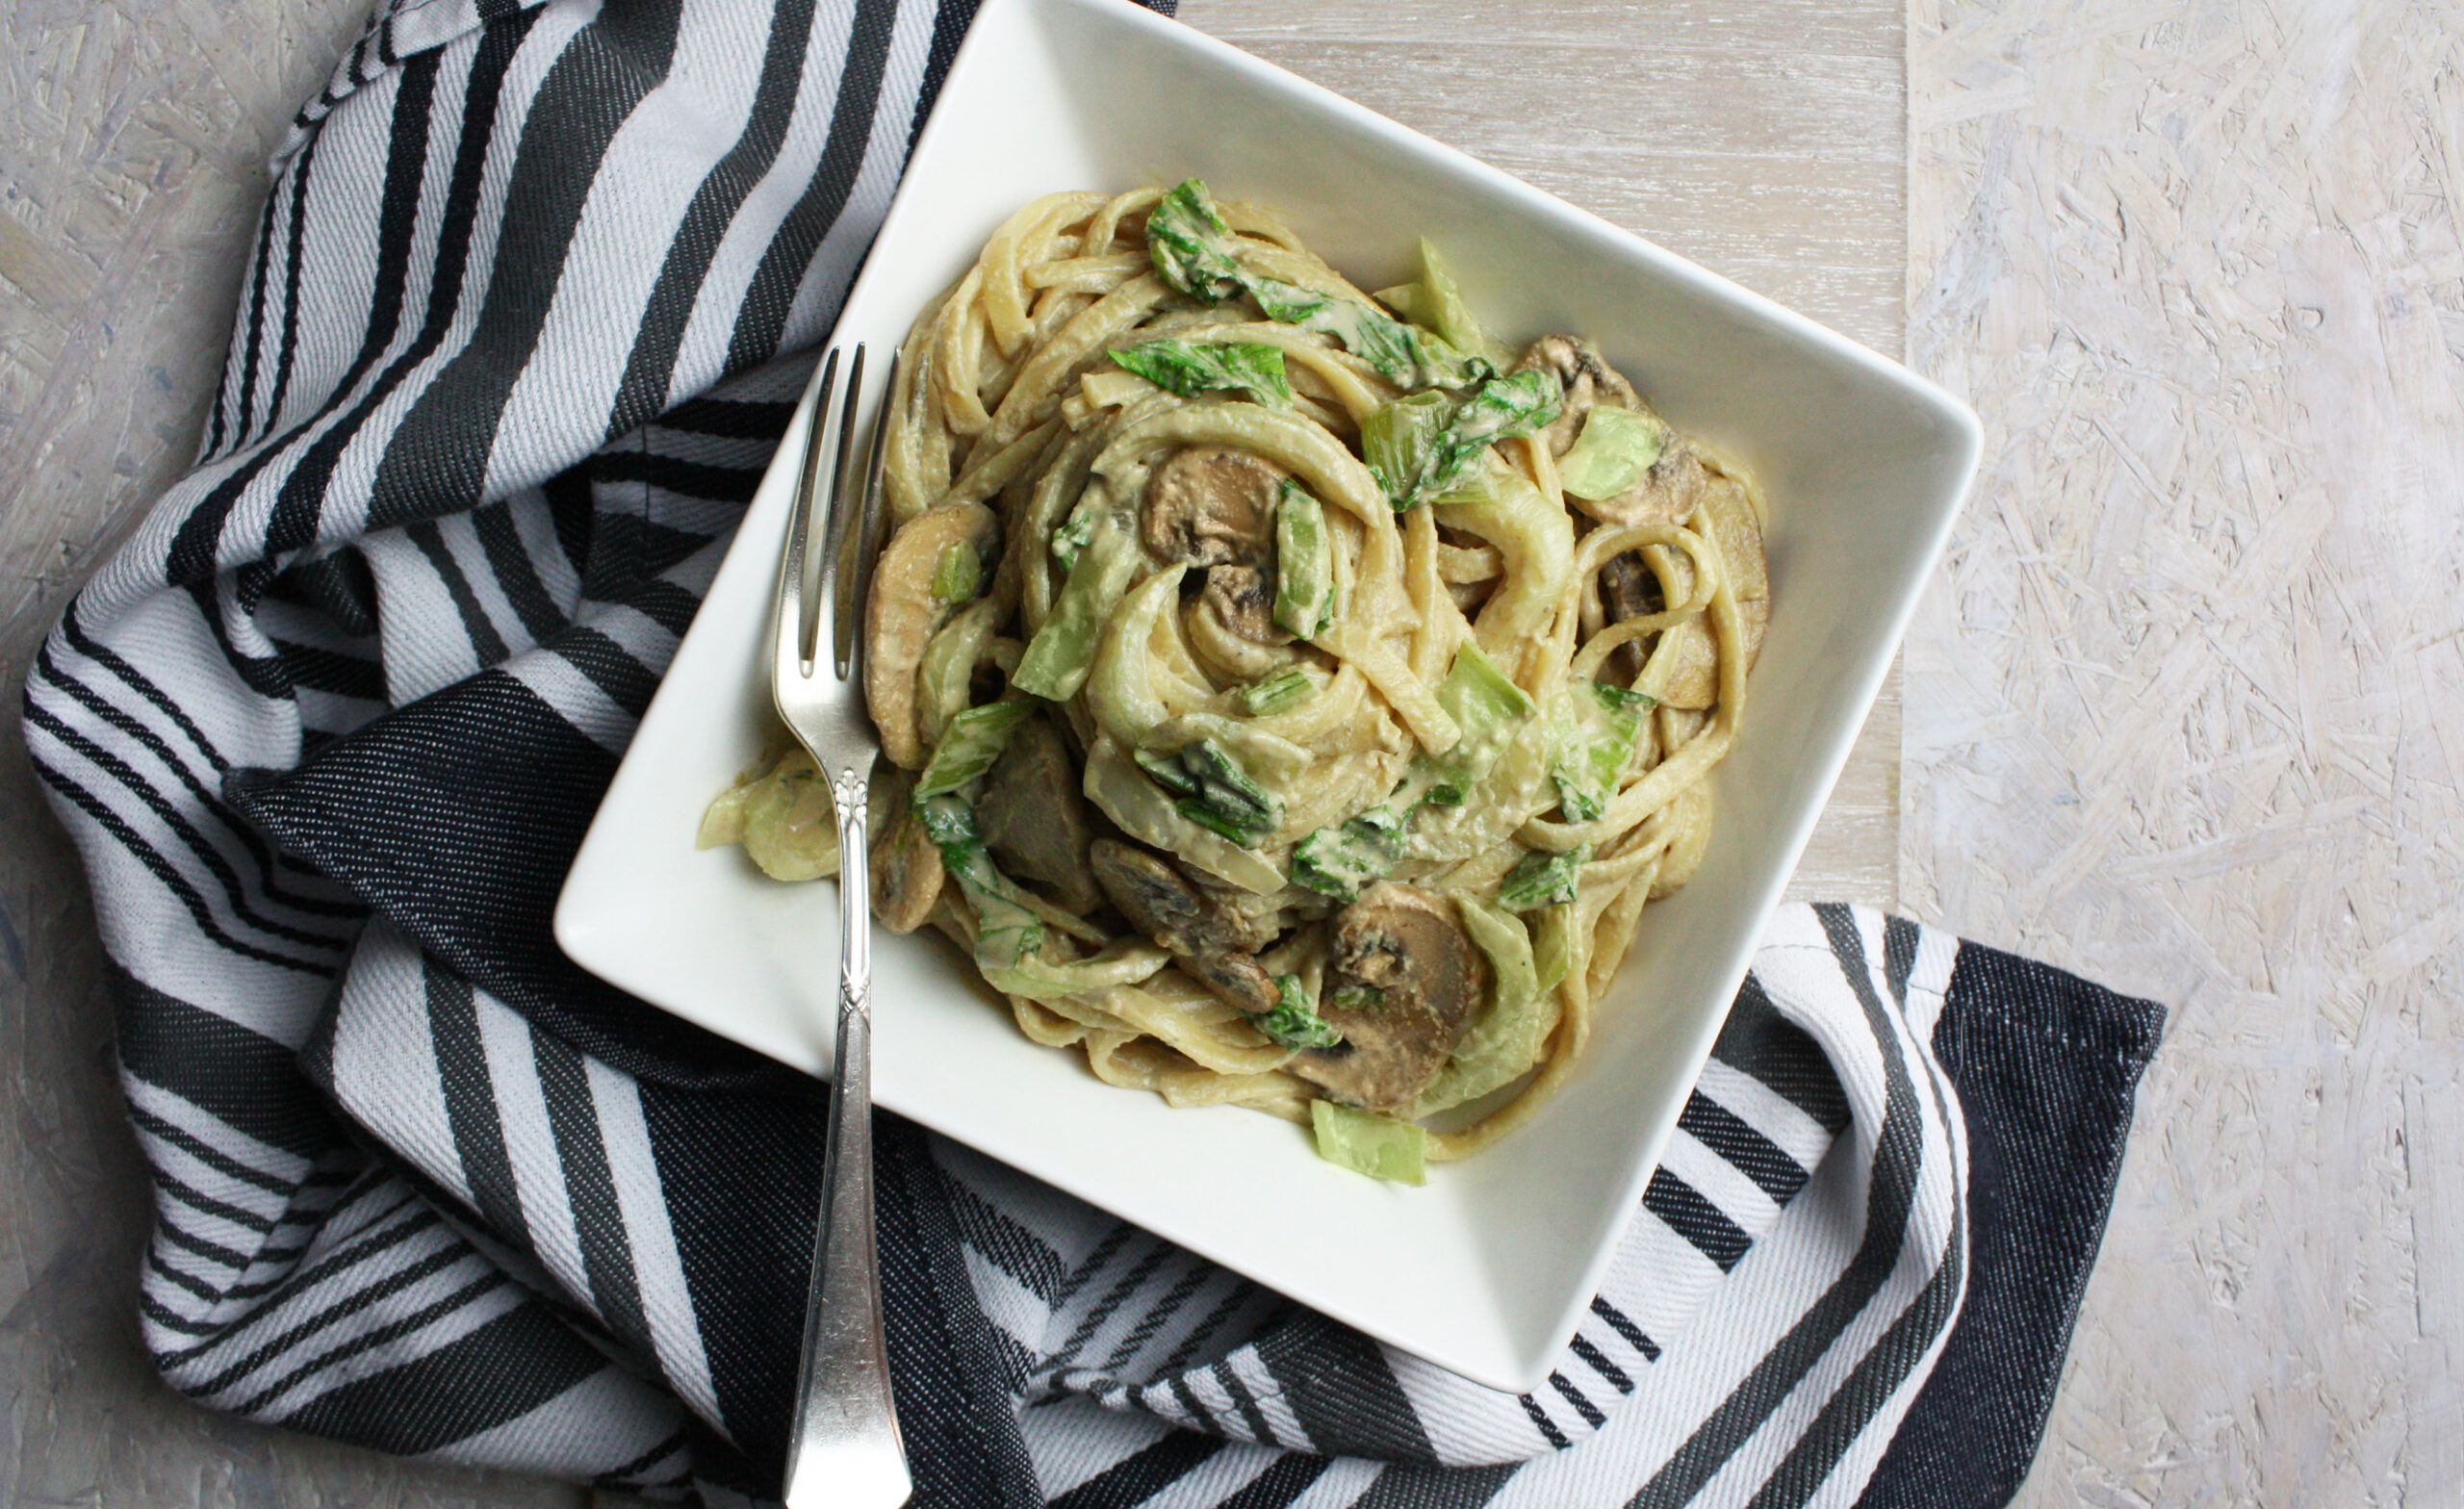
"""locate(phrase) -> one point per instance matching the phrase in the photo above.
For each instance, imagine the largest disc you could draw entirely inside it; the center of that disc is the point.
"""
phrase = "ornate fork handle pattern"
(844, 1450)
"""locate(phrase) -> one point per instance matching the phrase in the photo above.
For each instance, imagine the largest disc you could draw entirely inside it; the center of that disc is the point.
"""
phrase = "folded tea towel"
(329, 730)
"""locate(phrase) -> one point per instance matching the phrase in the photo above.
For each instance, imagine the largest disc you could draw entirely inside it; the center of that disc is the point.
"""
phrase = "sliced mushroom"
(1209, 505)
(900, 619)
(1251, 922)
(1408, 946)
(1230, 626)
(905, 864)
(1673, 483)
(1628, 589)
(1242, 597)
(907, 875)
(1034, 819)
(1159, 901)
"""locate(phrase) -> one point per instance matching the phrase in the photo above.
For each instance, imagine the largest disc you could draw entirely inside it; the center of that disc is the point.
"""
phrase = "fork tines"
(835, 570)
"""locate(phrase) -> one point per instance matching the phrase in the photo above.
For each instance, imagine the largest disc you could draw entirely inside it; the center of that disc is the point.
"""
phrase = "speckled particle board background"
(2185, 710)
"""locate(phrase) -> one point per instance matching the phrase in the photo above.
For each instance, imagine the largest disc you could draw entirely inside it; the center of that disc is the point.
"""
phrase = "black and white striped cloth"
(329, 728)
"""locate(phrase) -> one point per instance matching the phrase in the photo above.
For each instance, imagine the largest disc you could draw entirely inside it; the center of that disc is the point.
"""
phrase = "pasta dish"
(1291, 696)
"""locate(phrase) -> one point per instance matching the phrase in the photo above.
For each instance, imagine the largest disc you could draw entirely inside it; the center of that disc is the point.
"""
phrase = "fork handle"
(845, 1451)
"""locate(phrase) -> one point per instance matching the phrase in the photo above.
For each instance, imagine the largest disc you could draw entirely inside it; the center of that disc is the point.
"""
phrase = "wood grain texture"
(1765, 141)
(2186, 708)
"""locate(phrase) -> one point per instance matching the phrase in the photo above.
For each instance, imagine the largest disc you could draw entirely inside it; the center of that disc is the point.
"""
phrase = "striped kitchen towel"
(329, 730)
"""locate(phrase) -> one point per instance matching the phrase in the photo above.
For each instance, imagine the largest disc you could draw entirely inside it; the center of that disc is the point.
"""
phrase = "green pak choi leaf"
(974, 739)
(1304, 592)
(1190, 367)
(1074, 535)
(1437, 303)
(1616, 448)
(1277, 693)
(1554, 945)
(957, 574)
(1593, 727)
(1422, 450)
(1195, 251)
(1215, 792)
(1543, 879)
(1058, 658)
(1369, 1144)
(1191, 246)
(1338, 861)
(1489, 708)
(1008, 937)
(1509, 1038)
(1294, 1022)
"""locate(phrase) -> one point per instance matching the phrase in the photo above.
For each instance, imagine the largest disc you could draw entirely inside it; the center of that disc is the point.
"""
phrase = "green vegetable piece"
(1593, 727)
(1490, 709)
(1553, 945)
(1438, 303)
(1397, 440)
(1507, 1038)
(1424, 448)
(1191, 246)
(1190, 367)
(1304, 590)
(1404, 355)
(1215, 792)
(1543, 879)
(1403, 298)
(1617, 447)
(1338, 861)
(1075, 534)
(1294, 1022)
(957, 575)
(974, 739)
(1277, 694)
(1358, 998)
(1007, 935)
(1063, 651)
(1195, 251)
(1370, 1144)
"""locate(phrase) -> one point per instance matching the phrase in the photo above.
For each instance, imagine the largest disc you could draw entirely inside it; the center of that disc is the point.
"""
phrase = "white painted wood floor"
(2185, 710)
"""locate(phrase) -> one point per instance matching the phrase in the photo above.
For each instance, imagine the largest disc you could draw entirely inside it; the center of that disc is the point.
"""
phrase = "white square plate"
(1485, 1271)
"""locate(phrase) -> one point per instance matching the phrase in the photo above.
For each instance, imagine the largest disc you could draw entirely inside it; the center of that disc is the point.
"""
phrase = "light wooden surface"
(2185, 711)
(2182, 713)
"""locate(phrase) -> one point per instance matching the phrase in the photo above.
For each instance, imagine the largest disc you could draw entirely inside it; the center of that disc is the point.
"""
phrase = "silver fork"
(843, 1449)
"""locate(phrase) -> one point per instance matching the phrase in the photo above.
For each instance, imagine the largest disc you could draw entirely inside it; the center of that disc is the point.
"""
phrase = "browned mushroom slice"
(1159, 901)
(1669, 488)
(902, 613)
(1034, 819)
(1242, 598)
(1418, 981)
(907, 873)
(1628, 589)
(1209, 506)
